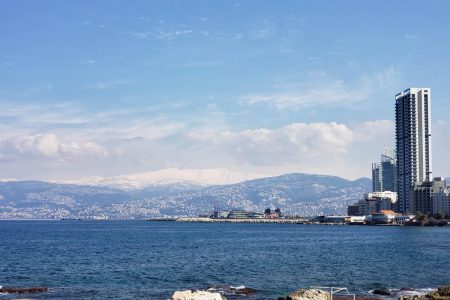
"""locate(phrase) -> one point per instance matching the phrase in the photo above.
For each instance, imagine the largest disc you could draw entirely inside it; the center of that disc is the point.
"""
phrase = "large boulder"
(231, 290)
(309, 294)
(382, 292)
(443, 293)
(196, 295)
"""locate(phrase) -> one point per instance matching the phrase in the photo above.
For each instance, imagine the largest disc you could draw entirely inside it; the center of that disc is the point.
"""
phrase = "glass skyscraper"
(384, 174)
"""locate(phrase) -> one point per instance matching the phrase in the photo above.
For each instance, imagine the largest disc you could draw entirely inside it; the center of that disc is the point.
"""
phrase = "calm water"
(138, 259)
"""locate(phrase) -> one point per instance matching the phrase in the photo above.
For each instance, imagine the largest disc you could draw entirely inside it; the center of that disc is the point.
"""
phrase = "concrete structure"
(441, 202)
(424, 193)
(375, 202)
(353, 210)
(413, 143)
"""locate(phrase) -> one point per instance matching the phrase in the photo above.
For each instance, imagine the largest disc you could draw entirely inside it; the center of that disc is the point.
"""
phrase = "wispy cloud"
(89, 61)
(410, 36)
(105, 85)
(326, 92)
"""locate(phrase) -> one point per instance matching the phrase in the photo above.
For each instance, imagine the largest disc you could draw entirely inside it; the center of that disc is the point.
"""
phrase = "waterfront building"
(358, 220)
(242, 214)
(353, 210)
(220, 214)
(425, 192)
(375, 202)
(334, 219)
(401, 219)
(441, 202)
(383, 217)
(413, 143)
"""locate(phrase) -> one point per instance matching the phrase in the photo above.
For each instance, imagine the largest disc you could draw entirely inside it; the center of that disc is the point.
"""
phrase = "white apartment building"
(413, 143)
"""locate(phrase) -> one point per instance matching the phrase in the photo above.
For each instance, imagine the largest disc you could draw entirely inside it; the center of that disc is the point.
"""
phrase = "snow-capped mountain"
(171, 176)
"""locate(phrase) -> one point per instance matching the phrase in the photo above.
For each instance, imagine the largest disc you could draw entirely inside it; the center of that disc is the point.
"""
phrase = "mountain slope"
(300, 194)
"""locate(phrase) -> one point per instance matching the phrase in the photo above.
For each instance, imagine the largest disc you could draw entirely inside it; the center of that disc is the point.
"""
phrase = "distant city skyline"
(109, 88)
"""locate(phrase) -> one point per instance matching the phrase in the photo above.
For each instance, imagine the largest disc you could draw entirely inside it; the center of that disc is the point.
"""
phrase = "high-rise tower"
(389, 171)
(413, 143)
(384, 173)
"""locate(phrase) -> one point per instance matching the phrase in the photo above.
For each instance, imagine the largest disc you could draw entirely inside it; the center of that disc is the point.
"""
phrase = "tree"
(421, 217)
(431, 221)
(268, 211)
(439, 216)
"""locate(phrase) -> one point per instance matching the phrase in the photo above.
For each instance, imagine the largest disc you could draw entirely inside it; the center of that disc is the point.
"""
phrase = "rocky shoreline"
(220, 293)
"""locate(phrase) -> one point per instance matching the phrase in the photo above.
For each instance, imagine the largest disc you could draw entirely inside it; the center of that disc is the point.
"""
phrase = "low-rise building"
(383, 217)
(358, 220)
(353, 210)
(401, 219)
(424, 192)
(373, 203)
(334, 219)
(220, 214)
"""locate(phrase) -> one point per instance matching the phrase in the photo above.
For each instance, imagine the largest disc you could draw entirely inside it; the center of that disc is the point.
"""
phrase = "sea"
(150, 260)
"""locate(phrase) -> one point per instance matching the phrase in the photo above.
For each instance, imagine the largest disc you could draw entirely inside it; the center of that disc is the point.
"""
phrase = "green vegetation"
(437, 219)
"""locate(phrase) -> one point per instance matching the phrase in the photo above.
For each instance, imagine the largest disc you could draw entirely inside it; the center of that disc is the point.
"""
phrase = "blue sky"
(106, 88)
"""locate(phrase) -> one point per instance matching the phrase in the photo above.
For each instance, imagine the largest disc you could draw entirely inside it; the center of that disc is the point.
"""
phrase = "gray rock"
(196, 295)
(310, 294)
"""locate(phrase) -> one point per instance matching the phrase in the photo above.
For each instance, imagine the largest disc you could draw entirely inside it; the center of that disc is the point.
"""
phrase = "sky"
(108, 88)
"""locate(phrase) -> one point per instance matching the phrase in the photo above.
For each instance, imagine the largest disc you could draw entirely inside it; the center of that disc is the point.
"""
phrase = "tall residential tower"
(413, 143)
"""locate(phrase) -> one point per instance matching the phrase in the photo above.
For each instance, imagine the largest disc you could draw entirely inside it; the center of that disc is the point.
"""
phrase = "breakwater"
(266, 221)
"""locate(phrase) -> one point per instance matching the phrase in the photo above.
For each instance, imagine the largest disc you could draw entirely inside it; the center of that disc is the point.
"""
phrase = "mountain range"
(295, 194)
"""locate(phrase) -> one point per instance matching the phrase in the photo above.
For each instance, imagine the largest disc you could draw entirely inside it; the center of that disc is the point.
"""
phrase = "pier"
(259, 221)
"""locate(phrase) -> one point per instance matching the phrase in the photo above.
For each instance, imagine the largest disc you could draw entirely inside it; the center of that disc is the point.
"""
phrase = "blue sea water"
(151, 260)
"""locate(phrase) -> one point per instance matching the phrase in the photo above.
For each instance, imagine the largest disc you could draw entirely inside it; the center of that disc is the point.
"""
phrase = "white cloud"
(325, 148)
(48, 146)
